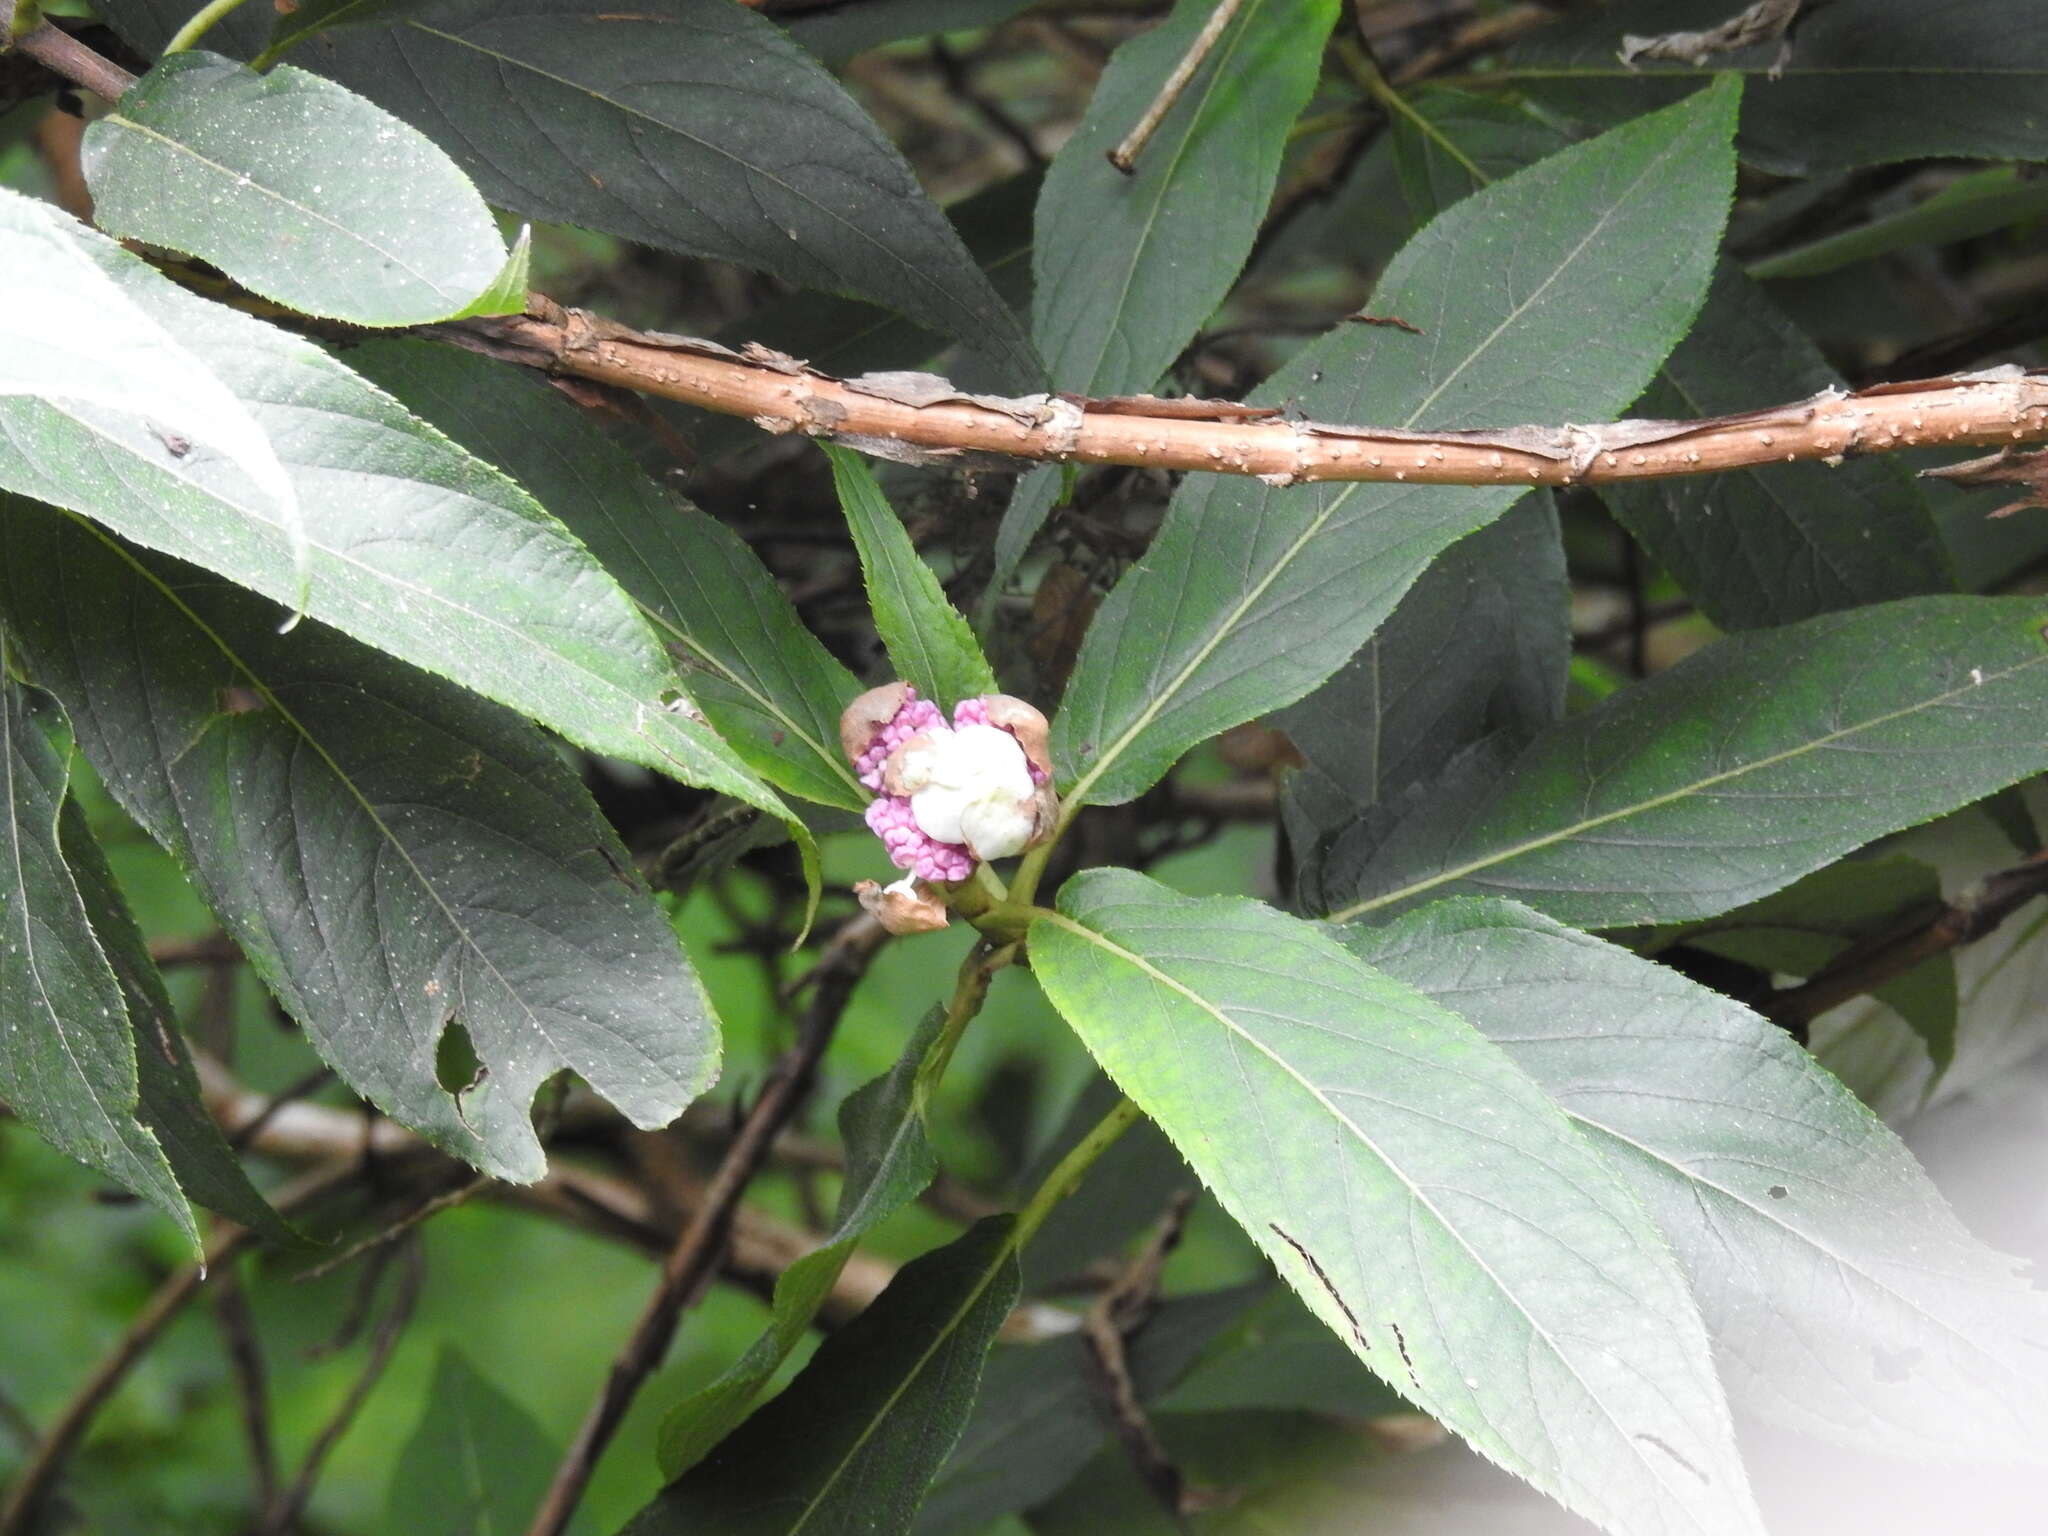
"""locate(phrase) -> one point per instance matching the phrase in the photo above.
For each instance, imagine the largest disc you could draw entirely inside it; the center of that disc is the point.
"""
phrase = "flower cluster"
(947, 794)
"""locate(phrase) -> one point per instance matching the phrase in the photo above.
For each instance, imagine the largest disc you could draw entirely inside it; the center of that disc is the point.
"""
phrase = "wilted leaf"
(1429, 1203)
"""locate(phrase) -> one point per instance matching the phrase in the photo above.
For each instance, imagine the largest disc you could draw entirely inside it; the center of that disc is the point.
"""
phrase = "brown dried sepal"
(865, 717)
(1027, 725)
(917, 910)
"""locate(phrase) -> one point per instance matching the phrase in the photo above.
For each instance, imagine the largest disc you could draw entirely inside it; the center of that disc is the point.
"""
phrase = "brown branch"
(925, 418)
(701, 1245)
(62, 54)
(1888, 955)
(1125, 156)
(922, 417)
(34, 1481)
(1115, 1318)
(245, 1364)
(282, 1514)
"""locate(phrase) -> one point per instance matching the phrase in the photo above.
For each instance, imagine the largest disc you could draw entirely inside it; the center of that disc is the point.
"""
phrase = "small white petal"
(937, 811)
(995, 829)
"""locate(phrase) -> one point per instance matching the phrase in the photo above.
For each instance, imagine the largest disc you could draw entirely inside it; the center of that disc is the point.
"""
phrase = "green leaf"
(1802, 928)
(851, 1445)
(1279, 1355)
(762, 679)
(888, 1164)
(1844, 1297)
(930, 645)
(476, 1463)
(692, 125)
(1866, 81)
(1042, 1415)
(1550, 296)
(1970, 206)
(391, 853)
(67, 1057)
(417, 548)
(307, 17)
(89, 342)
(1778, 542)
(170, 1102)
(1745, 766)
(296, 188)
(1428, 1202)
(1476, 651)
(1449, 144)
(836, 33)
(1128, 267)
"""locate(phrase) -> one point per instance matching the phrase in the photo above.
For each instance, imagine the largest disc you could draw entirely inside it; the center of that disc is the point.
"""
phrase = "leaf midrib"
(1171, 983)
(1656, 802)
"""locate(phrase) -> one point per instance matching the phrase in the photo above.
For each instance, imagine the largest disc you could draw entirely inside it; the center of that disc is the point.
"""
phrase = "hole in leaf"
(457, 1067)
(236, 700)
(1777, 1192)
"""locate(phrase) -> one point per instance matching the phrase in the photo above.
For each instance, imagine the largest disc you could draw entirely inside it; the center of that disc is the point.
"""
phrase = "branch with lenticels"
(923, 418)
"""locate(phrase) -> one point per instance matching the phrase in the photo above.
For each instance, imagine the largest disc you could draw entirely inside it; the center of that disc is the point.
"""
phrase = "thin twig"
(1125, 156)
(702, 1243)
(241, 1135)
(1115, 1318)
(958, 73)
(284, 1511)
(245, 1362)
(210, 949)
(25, 1495)
(432, 1206)
(1869, 965)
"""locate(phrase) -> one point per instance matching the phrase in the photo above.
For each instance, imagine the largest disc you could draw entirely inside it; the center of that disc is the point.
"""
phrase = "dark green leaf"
(309, 16)
(1128, 267)
(838, 32)
(929, 643)
(150, 24)
(1742, 768)
(1477, 650)
(761, 678)
(693, 125)
(888, 1164)
(1843, 1295)
(1453, 143)
(1969, 206)
(1800, 929)
(67, 1056)
(1865, 80)
(296, 188)
(420, 549)
(1779, 542)
(1279, 1355)
(476, 1464)
(1041, 1414)
(1427, 1201)
(390, 852)
(851, 1445)
(171, 1104)
(1550, 296)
